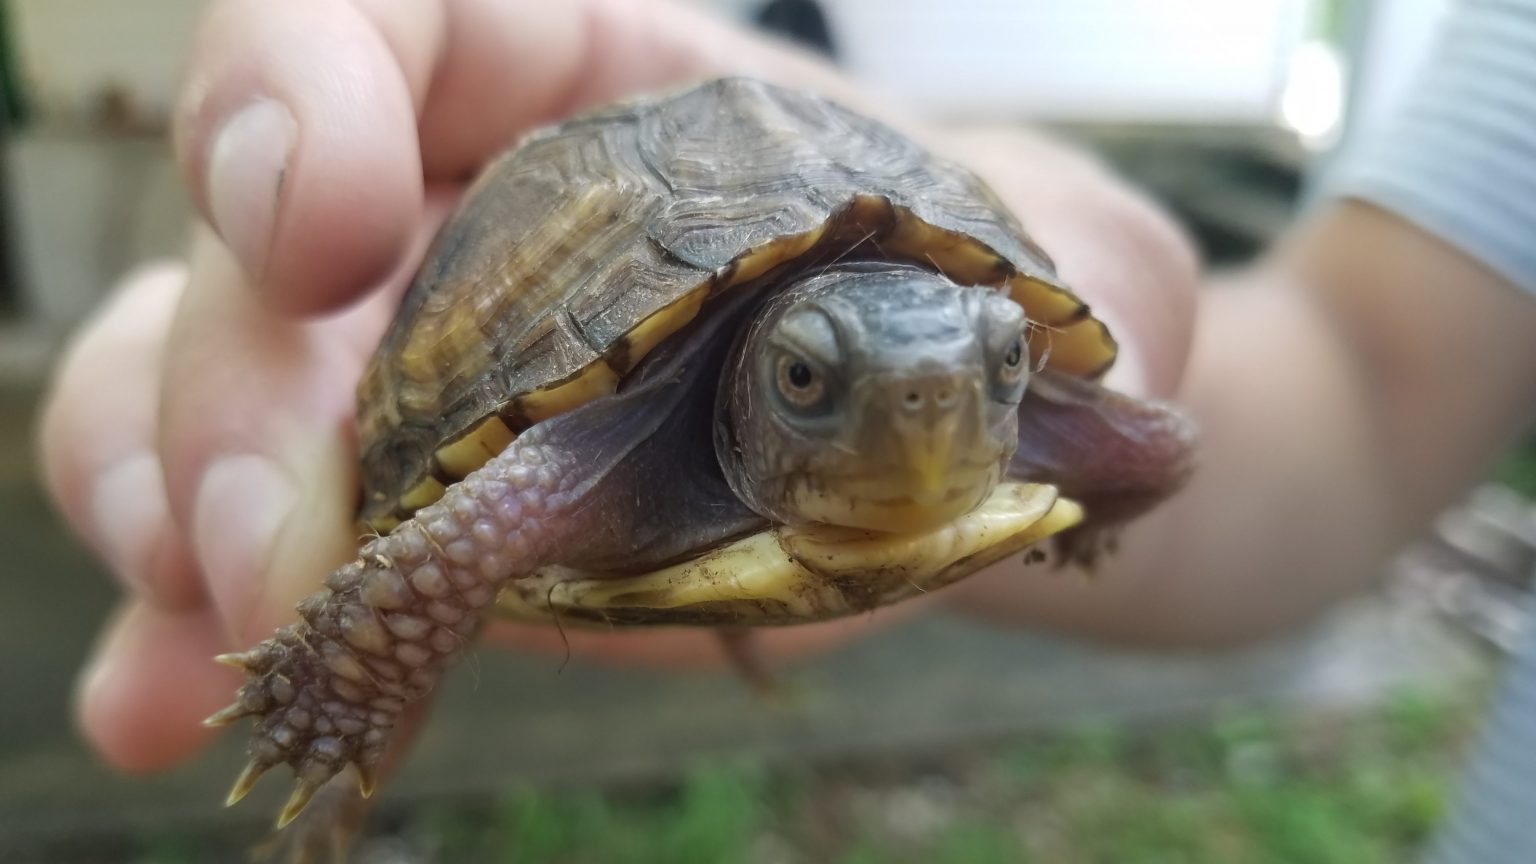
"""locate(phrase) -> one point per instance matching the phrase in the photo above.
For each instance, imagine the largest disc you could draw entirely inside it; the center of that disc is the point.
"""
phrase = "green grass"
(1263, 787)
(1517, 469)
(1359, 788)
(712, 817)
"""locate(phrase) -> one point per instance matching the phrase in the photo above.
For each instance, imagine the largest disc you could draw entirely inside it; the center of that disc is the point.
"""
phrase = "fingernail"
(128, 512)
(98, 674)
(246, 166)
(240, 508)
(97, 685)
(147, 683)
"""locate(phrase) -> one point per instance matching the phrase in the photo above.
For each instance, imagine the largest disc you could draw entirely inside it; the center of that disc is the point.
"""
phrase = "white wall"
(1109, 60)
(1160, 60)
(1220, 61)
(75, 52)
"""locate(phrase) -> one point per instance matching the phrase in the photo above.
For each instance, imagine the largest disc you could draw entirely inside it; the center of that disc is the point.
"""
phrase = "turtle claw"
(226, 715)
(250, 661)
(236, 659)
(246, 781)
(324, 832)
(303, 791)
(310, 714)
(367, 779)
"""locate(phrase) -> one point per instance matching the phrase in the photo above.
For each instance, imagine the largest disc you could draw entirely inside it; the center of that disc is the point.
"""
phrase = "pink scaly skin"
(328, 691)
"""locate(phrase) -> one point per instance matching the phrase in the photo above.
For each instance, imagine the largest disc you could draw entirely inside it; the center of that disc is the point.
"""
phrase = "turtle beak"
(928, 415)
(928, 450)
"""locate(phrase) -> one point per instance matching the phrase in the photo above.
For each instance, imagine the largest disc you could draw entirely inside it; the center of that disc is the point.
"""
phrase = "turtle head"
(878, 396)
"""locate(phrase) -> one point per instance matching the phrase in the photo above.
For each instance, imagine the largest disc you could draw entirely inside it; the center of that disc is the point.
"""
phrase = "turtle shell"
(590, 242)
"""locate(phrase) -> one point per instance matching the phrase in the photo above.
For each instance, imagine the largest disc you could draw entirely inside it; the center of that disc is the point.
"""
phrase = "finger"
(98, 434)
(1110, 244)
(508, 65)
(253, 435)
(296, 137)
(297, 134)
(256, 436)
(141, 698)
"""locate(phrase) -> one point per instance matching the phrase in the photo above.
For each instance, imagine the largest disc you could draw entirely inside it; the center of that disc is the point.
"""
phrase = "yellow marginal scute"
(1069, 339)
(765, 257)
(468, 453)
(957, 256)
(598, 379)
(1084, 349)
(649, 333)
(1049, 304)
(381, 524)
(1066, 336)
(788, 575)
(426, 491)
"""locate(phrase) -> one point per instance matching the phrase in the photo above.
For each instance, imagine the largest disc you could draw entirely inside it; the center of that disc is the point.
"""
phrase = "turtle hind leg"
(1115, 455)
(744, 651)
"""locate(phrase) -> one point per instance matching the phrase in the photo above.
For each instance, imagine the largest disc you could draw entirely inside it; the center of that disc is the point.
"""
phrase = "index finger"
(306, 129)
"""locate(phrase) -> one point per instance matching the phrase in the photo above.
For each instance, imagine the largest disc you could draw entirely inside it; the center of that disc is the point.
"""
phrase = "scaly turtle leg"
(743, 649)
(328, 691)
(1115, 455)
(325, 832)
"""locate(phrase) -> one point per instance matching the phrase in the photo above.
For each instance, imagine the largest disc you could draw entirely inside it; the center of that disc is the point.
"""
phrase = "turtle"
(731, 355)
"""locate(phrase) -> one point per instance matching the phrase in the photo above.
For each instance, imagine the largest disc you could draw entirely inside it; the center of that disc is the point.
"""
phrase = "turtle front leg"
(328, 690)
(1117, 456)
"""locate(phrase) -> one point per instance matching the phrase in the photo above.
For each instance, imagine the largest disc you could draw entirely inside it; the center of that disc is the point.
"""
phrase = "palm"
(231, 398)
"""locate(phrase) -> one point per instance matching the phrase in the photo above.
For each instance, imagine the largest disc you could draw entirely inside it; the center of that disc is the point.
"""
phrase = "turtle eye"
(798, 382)
(1012, 367)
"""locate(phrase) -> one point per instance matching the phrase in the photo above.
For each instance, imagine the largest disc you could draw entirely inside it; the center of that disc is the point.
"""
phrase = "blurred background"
(940, 741)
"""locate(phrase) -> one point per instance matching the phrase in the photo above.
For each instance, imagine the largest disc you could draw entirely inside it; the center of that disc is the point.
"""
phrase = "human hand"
(322, 142)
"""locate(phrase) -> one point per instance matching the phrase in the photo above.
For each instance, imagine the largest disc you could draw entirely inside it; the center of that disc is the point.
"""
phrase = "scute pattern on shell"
(585, 229)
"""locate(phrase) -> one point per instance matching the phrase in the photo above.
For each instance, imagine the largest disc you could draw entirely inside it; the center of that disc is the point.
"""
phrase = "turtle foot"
(317, 709)
(1085, 545)
(328, 691)
(325, 832)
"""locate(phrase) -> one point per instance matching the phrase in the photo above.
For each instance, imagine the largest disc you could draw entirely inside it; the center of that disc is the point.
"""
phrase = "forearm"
(1344, 398)
(1351, 387)
(1445, 347)
(1278, 516)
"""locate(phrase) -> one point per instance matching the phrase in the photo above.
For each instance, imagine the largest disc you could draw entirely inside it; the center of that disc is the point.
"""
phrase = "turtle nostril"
(930, 393)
